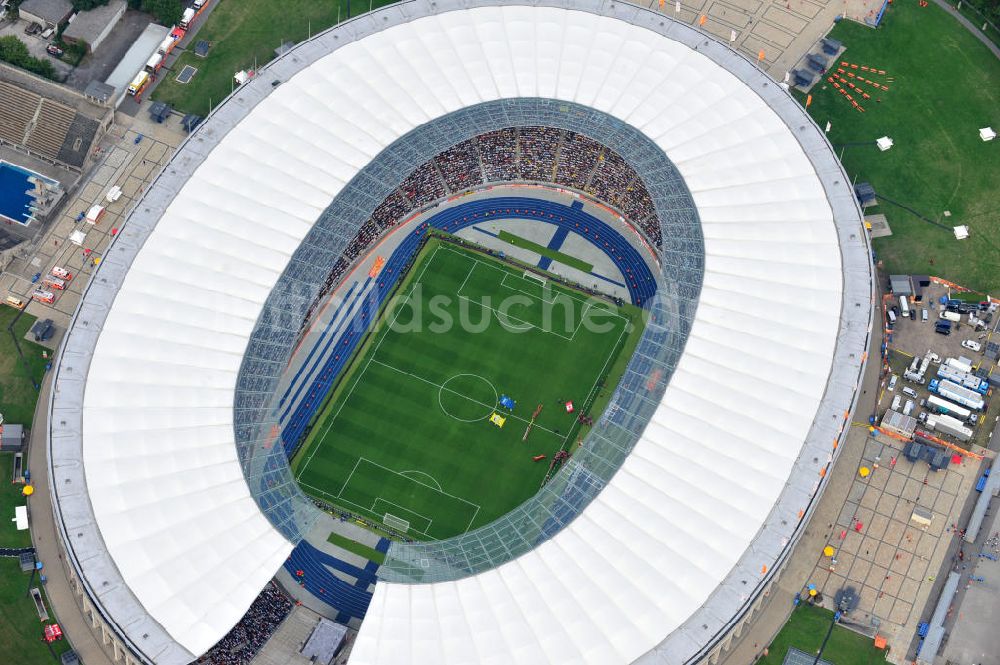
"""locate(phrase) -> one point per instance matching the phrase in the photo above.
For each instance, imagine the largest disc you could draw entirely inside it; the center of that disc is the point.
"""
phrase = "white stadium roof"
(173, 547)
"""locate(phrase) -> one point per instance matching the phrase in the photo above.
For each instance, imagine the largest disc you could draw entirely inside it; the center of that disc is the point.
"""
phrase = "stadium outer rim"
(118, 605)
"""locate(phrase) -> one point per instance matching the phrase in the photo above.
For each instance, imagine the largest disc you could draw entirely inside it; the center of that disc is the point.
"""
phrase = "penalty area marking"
(431, 478)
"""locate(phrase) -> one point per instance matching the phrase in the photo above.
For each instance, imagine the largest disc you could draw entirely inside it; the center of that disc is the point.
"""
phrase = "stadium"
(210, 353)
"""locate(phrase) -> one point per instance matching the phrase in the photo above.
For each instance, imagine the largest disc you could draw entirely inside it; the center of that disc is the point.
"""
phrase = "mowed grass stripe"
(390, 419)
(565, 259)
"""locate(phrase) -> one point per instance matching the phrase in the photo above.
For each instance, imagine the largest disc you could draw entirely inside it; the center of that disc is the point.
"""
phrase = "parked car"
(54, 50)
(895, 310)
(972, 345)
(892, 382)
(32, 29)
(913, 314)
(923, 315)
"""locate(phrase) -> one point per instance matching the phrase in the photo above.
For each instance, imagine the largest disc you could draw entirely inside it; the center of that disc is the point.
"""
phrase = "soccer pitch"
(407, 439)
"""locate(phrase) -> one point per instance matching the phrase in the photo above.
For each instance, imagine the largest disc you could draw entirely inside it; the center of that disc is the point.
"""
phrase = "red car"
(54, 50)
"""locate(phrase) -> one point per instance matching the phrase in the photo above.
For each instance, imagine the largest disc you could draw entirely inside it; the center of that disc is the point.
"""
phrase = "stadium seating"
(50, 129)
(317, 578)
(17, 110)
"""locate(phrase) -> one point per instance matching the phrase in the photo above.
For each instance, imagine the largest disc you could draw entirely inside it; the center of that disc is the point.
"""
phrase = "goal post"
(536, 277)
(397, 523)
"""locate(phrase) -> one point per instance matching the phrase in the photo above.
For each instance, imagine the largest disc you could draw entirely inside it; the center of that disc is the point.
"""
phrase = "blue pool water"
(15, 203)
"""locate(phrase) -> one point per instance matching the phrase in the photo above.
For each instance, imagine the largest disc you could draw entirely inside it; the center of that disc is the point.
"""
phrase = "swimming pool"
(17, 188)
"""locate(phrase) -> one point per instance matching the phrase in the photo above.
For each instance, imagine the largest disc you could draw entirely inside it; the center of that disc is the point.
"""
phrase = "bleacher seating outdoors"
(313, 570)
(17, 109)
(44, 126)
(251, 633)
(51, 126)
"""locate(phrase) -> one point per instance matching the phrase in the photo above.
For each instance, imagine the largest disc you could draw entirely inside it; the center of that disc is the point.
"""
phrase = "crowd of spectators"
(536, 154)
(460, 166)
(539, 154)
(241, 644)
(423, 185)
(577, 160)
(498, 154)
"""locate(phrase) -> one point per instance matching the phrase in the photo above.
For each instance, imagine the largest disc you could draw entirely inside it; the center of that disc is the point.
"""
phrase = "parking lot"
(36, 45)
(911, 338)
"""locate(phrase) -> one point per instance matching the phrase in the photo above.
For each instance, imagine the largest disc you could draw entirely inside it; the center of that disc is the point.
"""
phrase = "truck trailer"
(949, 425)
(938, 405)
(956, 393)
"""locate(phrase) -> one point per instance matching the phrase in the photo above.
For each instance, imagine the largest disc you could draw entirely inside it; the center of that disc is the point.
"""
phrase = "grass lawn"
(806, 629)
(946, 85)
(10, 496)
(408, 432)
(542, 250)
(20, 629)
(244, 32)
(356, 547)
(17, 394)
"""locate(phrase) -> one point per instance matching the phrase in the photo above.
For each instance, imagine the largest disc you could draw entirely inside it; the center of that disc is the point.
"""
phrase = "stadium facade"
(173, 500)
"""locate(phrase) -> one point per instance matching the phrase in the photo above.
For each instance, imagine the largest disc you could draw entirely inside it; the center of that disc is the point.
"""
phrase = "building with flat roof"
(50, 13)
(93, 26)
(135, 59)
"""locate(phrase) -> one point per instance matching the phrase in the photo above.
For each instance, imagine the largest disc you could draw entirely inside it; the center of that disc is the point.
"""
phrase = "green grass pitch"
(943, 86)
(407, 432)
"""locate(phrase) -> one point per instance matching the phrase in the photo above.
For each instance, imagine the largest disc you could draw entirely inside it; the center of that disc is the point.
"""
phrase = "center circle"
(468, 398)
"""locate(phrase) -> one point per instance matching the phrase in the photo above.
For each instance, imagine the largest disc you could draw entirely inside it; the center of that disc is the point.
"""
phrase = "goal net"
(535, 278)
(397, 523)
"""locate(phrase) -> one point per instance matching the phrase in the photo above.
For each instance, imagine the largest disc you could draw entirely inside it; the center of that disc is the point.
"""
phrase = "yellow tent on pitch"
(497, 419)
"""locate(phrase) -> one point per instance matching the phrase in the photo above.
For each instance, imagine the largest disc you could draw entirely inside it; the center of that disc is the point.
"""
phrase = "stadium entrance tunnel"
(345, 231)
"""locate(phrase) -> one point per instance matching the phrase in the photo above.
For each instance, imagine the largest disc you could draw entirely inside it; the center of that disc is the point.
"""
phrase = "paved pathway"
(61, 596)
(131, 166)
(125, 163)
(976, 32)
(777, 607)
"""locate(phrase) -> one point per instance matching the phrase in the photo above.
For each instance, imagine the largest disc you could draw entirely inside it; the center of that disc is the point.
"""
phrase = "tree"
(15, 52)
(167, 12)
(84, 5)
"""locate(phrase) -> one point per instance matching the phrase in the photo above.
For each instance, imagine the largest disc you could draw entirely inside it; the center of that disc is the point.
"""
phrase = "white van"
(909, 392)
(892, 316)
(892, 382)
(896, 402)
